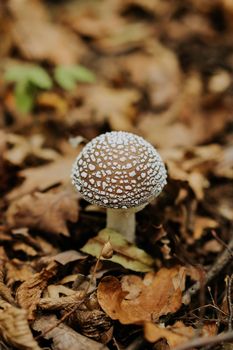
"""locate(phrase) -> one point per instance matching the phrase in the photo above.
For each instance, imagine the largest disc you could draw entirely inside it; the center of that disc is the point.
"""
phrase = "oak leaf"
(136, 300)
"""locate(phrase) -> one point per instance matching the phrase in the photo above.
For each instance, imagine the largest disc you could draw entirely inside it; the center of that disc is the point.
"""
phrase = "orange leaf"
(136, 300)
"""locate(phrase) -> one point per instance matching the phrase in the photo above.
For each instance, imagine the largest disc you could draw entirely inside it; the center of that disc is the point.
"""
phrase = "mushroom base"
(123, 221)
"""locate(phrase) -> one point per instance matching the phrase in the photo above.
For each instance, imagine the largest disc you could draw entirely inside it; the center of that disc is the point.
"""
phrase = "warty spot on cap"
(119, 170)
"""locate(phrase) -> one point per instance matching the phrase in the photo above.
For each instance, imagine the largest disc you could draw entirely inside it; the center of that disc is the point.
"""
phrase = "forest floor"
(71, 70)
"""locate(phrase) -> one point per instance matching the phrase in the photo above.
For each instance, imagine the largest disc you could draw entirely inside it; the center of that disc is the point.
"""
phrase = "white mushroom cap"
(119, 170)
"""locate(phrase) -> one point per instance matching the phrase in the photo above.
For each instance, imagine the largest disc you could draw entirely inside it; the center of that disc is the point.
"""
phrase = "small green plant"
(28, 79)
(68, 76)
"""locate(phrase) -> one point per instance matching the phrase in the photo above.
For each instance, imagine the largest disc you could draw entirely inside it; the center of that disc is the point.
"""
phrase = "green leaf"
(24, 96)
(30, 73)
(64, 79)
(125, 253)
(39, 77)
(68, 76)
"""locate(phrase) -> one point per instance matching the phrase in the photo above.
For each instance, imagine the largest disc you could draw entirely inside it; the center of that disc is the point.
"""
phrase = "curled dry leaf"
(29, 292)
(14, 327)
(94, 324)
(48, 211)
(61, 303)
(124, 253)
(136, 300)
(5, 292)
(43, 177)
(64, 337)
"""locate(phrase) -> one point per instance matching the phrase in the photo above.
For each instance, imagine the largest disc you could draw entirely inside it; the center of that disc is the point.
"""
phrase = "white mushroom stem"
(123, 221)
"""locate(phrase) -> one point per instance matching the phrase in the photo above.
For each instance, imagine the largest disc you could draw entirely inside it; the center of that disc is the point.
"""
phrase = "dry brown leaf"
(104, 103)
(64, 337)
(37, 37)
(29, 292)
(61, 303)
(18, 271)
(212, 246)
(43, 177)
(201, 223)
(95, 19)
(126, 36)
(175, 335)
(25, 248)
(5, 292)
(68, 256)
(48, 211)
(22, 147)
(52, 100)
(136, 300)
(161, 73)
(15, 328)
(185, 123)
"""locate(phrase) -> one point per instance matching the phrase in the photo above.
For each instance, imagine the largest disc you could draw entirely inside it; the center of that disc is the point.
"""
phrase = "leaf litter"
(161, 70)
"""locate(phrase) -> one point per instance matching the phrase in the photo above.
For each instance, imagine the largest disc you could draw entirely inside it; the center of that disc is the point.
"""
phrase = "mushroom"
(121, 172)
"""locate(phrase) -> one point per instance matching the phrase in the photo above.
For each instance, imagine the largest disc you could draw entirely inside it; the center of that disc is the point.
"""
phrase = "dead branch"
(220, 263)
(204, 341)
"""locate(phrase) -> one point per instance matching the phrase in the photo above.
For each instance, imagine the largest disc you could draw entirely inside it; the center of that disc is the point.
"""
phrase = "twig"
(229, 303)
(204, 341)
(215, 269)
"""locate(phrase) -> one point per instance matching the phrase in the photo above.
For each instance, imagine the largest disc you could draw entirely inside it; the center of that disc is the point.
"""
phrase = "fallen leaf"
(94, 324)
(184, 124)
(25, 248)
(43, 177)
(51, 100)
(127, 36)
(61, 303)
(64, 337)
(22, 147)
(175, 335)
(201, 223)
(44, 40)
(14, 327)
(47, 211)
(117, 106)
(212, 246)
(68, 256)
(161, 73)
(136, 300)
(18, 271)
(29, 292)
(124, 253)
(5, 292)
